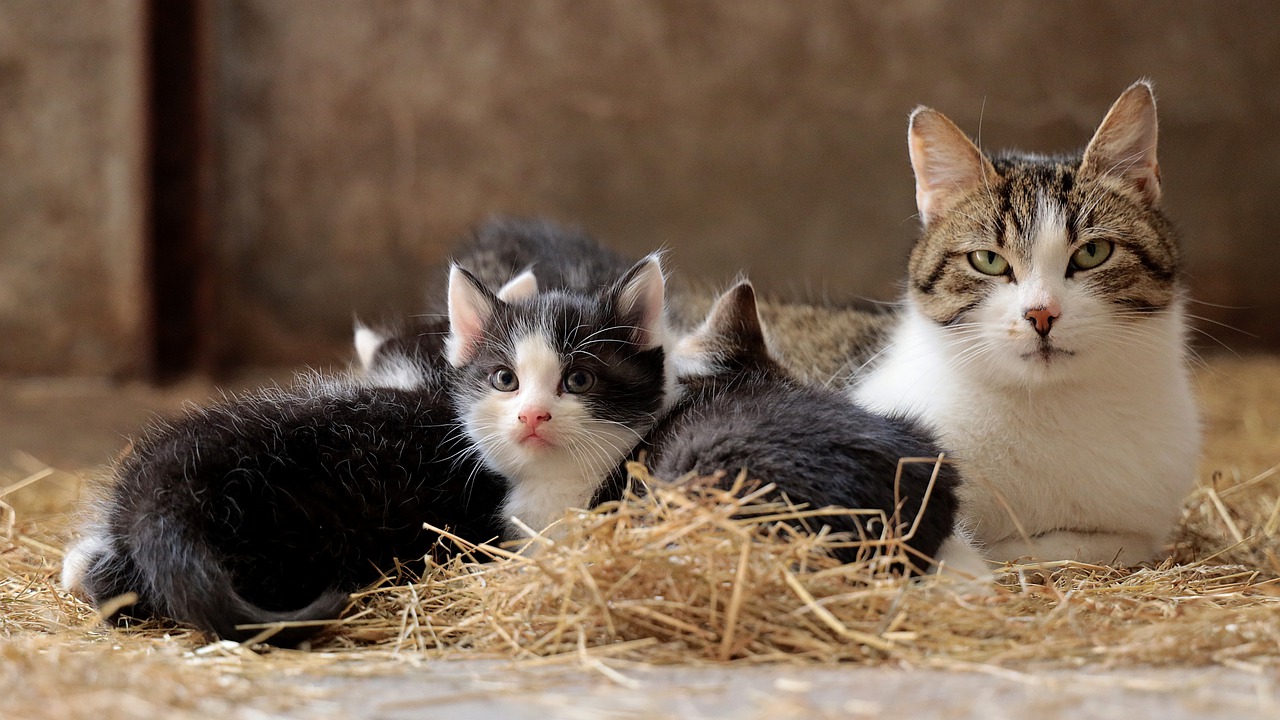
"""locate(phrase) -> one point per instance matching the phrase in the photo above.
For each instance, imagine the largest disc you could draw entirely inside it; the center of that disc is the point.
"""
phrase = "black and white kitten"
(743, 410)
(274, 506)
(557, 388)
(502, 254)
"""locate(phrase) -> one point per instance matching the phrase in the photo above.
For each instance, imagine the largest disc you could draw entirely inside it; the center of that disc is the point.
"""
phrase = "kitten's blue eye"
(503, 380)
(1091, 254)
(578, 381)
(988, 262)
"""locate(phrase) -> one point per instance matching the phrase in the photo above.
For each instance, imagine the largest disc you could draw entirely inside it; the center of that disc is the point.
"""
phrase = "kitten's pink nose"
(533, 417)
(1042, 318)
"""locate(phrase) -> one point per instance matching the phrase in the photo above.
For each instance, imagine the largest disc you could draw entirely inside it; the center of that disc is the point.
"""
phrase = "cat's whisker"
(1211, 321)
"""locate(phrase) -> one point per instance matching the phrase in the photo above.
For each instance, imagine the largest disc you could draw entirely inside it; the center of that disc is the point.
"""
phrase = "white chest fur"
(1092, 466)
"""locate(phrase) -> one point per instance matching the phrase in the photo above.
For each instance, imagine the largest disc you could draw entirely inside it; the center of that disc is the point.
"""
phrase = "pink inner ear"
(644, 295)
(1125, 143)
(469, 312)
(946, 163)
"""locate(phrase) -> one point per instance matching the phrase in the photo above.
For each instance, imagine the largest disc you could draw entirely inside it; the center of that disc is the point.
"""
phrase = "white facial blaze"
(538, 367)
(1001, 334)
(1044, 281)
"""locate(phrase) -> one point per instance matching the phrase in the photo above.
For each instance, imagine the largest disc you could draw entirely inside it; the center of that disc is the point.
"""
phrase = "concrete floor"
(80, 425)
(472, 691)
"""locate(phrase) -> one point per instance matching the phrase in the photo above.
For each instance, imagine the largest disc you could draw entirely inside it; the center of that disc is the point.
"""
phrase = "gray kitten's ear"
(367, 343)
(733, 325)
(639, 296)
(471, 307)
(947, 164)
(518, 288)
(1125, 144)
(731, 336)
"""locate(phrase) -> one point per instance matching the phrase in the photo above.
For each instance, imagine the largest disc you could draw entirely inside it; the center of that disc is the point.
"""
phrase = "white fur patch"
(367, 343)
(395, 371)
(1094, 454)
(78, 559)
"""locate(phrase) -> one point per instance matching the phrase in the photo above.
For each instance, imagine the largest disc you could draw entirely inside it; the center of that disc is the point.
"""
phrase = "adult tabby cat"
(1044, 338)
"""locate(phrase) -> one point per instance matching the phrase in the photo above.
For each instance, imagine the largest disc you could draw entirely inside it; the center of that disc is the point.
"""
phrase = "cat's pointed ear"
(1125, 144)
(471, 307)
(733, 325)
(367, 343)
(947, 164)
(639, 297)
(520, 287)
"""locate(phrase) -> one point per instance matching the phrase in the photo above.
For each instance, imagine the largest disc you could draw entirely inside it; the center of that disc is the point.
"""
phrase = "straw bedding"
(692, 574)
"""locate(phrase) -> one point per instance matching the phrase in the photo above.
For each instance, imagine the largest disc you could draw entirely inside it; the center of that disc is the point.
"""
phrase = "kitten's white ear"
(1125, 144)
(518, 288)
(640, 296)
(367, 343)
(946, 162)
(471, 307)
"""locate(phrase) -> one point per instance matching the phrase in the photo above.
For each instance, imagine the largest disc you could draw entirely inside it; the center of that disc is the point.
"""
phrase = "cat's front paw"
(964, 566)
(1094, 548)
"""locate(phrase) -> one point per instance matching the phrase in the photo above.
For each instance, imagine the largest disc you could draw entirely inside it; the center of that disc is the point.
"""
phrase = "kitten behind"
(409, 356)
(563, 258)
(273, 507)
(813, 443)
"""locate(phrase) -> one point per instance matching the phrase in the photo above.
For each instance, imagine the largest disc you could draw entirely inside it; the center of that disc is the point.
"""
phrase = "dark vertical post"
(180, 133)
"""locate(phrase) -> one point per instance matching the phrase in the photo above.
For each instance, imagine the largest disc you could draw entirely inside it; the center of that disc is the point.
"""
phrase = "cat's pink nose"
(533, 417)
(1042, 319)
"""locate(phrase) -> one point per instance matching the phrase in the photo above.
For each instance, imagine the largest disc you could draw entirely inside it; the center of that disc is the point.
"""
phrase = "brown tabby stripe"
(1140, 275)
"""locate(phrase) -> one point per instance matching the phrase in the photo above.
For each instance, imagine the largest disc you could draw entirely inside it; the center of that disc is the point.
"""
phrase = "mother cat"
(1043, 338)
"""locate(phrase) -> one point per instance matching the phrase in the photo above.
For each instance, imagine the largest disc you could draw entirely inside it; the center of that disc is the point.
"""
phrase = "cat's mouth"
(531, 439)
(1047, 353)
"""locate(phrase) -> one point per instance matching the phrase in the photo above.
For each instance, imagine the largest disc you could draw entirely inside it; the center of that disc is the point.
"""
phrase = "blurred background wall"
(73, 296)
(317, 157)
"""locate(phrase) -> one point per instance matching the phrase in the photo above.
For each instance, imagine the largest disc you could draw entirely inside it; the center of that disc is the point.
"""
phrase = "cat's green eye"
(578, 381)
(1091, 254)
(503, 380)
(988, 262)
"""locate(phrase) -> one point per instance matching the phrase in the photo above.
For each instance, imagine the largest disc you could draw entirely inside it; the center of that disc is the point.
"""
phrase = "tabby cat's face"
(1034, 266)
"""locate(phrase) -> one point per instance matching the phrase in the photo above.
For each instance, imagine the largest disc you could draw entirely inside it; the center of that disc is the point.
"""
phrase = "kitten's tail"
(184, 581)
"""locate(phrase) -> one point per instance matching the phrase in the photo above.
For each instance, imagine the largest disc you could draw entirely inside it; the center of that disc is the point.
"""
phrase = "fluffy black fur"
(813, 443)
(274, 507)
